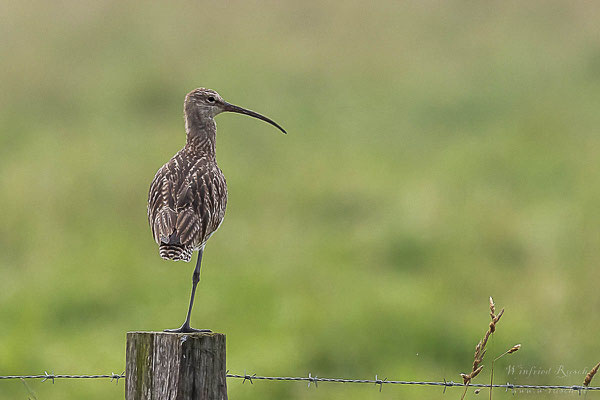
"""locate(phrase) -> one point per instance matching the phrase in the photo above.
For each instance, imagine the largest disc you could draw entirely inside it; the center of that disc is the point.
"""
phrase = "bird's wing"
(195, 206)
(162, 214)
(188, 224)
(184, 207)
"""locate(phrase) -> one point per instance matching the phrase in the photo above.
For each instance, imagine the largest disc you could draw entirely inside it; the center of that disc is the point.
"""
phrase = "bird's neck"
(201, 135)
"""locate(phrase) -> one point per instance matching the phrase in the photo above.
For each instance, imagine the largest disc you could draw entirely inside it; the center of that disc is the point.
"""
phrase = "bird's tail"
(175, 252)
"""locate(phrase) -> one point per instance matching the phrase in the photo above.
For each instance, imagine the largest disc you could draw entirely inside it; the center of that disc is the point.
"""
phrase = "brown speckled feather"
(186, 202)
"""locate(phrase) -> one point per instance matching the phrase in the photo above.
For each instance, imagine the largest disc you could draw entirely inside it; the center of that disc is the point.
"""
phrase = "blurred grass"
(439, 153)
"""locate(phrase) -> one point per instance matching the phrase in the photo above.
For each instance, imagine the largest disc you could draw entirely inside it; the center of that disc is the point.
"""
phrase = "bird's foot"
(186, 328)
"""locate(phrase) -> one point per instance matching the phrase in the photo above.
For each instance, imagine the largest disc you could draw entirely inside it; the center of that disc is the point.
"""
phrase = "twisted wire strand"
(52, 377)
(380, 382)
(314, 379)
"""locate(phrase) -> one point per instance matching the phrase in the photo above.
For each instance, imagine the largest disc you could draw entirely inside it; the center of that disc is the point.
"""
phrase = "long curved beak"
(231, 108)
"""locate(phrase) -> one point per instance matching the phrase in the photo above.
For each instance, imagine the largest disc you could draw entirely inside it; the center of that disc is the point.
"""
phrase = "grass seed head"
(497, 317)
(466, 378)
(476, 372)
(590, 375)
(516, 347)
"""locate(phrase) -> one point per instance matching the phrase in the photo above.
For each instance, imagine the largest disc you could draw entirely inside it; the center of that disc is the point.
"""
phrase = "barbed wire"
(52, 377)
(380, 382)
(315, 380)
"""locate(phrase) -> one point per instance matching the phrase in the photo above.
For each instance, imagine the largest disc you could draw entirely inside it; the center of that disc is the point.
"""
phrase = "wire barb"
(248, 378)
(116, 377)
(51, 376)
(380, 382)
(312, 379)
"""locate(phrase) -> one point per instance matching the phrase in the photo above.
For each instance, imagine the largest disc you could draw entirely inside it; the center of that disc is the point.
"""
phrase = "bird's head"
(206, 104)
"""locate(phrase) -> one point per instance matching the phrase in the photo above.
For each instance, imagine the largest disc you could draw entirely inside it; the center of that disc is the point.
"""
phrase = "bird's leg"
(186, 328)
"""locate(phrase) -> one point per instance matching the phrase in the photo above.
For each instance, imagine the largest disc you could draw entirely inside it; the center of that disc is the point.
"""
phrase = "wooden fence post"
(175, 366)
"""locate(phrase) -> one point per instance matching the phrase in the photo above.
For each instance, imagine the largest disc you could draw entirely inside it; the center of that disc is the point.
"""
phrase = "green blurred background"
(438, 153)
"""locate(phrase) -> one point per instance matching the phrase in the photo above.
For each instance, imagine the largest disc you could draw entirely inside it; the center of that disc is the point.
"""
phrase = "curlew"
(188, 196)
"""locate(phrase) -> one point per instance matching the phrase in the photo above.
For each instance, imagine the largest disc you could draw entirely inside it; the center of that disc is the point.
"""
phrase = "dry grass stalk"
(590, 375)
(480, 348)
(513, 349)
(29, 390)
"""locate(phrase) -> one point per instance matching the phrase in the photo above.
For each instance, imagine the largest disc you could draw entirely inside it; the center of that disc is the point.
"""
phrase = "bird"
(188, 195)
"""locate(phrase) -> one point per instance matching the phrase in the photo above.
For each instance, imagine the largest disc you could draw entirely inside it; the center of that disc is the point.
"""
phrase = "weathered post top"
(175, 366)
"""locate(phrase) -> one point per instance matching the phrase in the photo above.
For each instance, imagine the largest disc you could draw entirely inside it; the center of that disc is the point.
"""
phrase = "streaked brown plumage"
(187, 202)
(188, 196)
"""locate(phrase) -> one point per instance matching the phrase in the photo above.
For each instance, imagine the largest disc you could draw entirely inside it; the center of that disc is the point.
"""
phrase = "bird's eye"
(210, 99)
